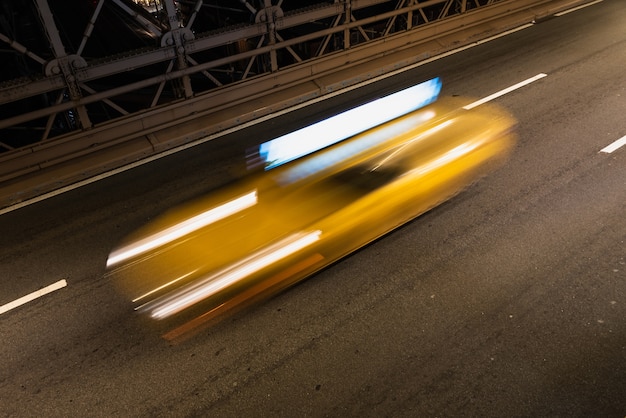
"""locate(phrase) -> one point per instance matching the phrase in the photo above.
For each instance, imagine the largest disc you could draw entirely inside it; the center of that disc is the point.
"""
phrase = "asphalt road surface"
(508, 300)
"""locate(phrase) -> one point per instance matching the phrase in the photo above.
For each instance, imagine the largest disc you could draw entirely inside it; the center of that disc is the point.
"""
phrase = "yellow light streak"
(195, 292)
(183, 228)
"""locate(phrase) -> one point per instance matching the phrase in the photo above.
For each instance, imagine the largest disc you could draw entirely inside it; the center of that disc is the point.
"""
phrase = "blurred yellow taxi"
(324, 192)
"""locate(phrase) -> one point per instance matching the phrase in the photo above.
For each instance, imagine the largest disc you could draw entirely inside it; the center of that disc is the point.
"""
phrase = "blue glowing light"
(344, 125)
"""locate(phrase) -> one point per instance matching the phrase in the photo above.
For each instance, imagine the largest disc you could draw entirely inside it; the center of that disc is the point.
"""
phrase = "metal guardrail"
(48, 165)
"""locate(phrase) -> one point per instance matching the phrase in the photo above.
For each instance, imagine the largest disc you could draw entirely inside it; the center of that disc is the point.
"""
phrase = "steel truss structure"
(90, 87)
(82, 76)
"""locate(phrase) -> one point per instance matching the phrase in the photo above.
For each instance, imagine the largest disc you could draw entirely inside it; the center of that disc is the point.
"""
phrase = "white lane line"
(253, 122)
(614, 146)
(504, 91)
(564, 12)
(32, 296)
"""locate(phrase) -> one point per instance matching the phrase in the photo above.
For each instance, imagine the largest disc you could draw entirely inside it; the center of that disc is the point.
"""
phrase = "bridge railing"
(205, 99)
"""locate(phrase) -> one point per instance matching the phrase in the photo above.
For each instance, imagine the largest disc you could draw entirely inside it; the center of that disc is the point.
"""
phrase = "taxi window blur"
(362, 177)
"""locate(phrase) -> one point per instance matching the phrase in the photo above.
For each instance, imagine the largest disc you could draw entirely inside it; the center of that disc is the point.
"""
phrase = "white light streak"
(32, 296)
(446, 158)
(343, 152)
(614, 146)
(344, 125)
(408, 143)
(195, 292)
(504, 91)
(183, 228)
(184, 276)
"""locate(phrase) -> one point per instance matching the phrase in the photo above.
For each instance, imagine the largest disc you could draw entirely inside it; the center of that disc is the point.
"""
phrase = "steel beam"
(78, 155)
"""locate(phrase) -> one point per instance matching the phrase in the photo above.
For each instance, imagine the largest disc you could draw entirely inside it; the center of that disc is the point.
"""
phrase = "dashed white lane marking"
(564, 12)
(32, 296)
(615, 145)
(505, 91)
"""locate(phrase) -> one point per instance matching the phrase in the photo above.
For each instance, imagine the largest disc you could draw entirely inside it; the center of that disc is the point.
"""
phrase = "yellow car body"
(272, 229)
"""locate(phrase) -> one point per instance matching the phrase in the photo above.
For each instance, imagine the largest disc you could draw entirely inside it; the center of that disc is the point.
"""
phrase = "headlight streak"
(184, 276)
(411, 141)
(199, 290)
(240, 301)
(183, 228)
(446, 158)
